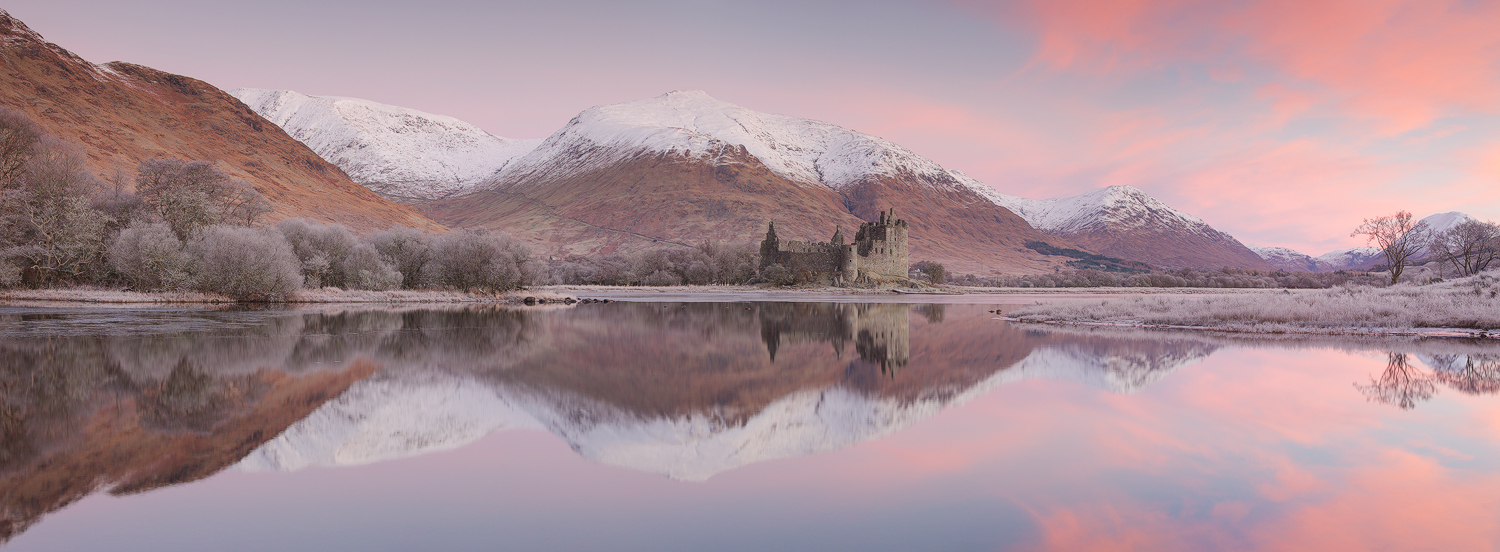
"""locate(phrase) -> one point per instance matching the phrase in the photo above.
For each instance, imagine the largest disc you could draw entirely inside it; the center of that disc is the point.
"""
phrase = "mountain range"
(683, 166)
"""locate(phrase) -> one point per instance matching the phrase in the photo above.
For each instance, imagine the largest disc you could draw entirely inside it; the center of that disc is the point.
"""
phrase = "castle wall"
(880, 248)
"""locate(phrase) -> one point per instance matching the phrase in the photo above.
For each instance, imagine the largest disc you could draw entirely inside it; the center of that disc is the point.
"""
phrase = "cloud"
(1395, 65)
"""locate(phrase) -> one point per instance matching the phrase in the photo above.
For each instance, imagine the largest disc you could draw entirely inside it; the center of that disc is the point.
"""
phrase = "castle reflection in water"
(881, 333)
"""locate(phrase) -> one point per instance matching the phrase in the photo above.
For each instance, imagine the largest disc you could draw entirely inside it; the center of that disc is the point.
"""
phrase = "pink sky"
(1282, 122)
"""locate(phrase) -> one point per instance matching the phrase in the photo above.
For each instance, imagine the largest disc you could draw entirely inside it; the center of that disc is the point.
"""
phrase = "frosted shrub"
(248, 264)
(150, 257)
(322, 250)
(479, 260)
(779, 275)
(661, 278)
(407, 250)
(1465, 303)
(365, 268)
(10, 275)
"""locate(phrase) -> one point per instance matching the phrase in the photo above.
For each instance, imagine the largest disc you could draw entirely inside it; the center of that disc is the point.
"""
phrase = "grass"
(1471, 303)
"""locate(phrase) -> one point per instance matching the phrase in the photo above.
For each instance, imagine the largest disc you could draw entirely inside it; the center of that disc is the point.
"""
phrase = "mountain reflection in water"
(128, 401)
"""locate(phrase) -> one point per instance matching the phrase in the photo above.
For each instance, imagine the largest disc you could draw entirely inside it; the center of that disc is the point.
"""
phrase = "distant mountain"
(684, 167)
(122, 114)
(1124, 222)
(1289, 259)
(402, 154)
(1358, 258)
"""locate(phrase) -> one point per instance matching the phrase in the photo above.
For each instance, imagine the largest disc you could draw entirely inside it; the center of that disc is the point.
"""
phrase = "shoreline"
(559, 293)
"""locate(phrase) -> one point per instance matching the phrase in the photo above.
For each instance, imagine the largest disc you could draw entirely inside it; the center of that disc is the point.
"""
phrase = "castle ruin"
(877, 252)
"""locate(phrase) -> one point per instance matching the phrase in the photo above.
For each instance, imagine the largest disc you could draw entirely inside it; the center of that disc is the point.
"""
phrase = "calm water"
(730, 426)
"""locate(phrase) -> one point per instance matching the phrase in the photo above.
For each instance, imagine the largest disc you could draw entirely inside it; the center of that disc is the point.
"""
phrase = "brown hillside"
(123, 113)
(1170, 249)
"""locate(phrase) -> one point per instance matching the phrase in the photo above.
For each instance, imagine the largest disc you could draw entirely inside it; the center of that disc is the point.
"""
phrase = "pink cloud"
(1396, 64)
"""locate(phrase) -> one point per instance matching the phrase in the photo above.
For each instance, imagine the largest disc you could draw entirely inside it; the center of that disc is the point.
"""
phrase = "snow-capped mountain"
(684, 166)
(1125, 222)
(1350, 259)
(1289, 259)
(1112, 207)
(402, 154)
(693, 124)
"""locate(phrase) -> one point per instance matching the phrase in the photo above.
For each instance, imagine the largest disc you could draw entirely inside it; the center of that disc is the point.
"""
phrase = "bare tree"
(50, 225)
(19, 138)
(1468, 247)
(1398, 237)
(192, 195)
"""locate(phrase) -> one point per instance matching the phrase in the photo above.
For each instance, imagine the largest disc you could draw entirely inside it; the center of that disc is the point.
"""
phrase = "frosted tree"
(1398, 237)
(1468, 247)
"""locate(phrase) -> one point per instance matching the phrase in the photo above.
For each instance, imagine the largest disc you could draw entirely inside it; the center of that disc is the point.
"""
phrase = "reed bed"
(1471, 303)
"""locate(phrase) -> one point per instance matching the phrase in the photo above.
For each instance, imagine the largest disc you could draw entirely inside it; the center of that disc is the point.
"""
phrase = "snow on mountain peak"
(695, 124)
(1113, 207)
(402, 153)
(1443, 221)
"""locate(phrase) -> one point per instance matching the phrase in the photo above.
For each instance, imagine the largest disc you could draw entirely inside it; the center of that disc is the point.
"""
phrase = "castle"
(878, 251)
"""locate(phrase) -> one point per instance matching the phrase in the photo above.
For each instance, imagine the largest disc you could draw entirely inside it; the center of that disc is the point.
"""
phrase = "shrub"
(151, 257)
(364, 268)
(479, 260)
(247, 264)
(661, 278)
(779, 275)
(407, 250)
(322, 250)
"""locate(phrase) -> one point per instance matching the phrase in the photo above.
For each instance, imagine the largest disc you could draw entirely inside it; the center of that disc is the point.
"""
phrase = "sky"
(1282, 122)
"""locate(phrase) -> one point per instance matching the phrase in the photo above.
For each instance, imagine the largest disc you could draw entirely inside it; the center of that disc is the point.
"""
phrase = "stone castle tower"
(879, 250)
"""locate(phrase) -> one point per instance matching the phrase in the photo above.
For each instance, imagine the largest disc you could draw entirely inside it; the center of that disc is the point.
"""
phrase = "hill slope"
(122, 114)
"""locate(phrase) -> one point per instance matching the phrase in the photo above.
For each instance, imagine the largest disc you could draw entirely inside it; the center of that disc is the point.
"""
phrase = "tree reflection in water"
(1402, 384)
(1476, 374)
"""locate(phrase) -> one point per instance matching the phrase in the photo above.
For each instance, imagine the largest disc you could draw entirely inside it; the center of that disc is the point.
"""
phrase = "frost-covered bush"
(248, 264)
(479, 260)
(322, 249)
(150, 257)
(365, 268)
(661, 278)
(407, 249)
(779, 275)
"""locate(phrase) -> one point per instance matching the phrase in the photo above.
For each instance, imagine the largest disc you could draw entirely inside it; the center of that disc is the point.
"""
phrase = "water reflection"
(128, 401)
